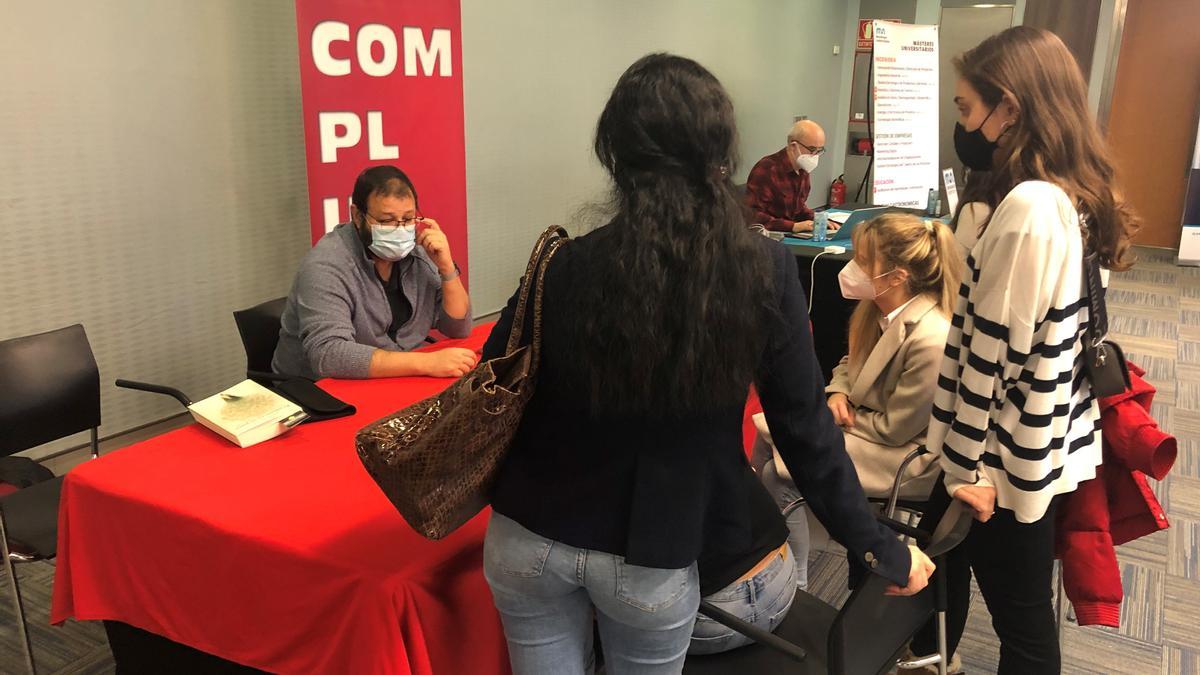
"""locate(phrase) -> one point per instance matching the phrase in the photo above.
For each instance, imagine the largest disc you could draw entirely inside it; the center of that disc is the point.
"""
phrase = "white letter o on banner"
(370, 34)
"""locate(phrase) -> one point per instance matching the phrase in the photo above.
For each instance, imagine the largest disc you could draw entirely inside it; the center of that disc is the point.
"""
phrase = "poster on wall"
(381, 83)
(1189, 239)
(904, 87)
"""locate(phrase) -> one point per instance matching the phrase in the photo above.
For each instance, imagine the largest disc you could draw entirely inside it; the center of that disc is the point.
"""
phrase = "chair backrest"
(872, 629)
(259, 328)
(49, 388)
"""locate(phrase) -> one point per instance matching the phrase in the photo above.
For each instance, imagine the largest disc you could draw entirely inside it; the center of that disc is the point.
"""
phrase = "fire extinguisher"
(837, 191)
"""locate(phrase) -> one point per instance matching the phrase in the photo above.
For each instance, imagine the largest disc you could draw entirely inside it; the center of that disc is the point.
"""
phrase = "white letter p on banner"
(331, 140)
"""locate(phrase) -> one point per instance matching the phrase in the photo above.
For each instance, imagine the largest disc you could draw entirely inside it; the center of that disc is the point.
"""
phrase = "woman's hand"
(981, 498)
(843, 411)
(918, 575)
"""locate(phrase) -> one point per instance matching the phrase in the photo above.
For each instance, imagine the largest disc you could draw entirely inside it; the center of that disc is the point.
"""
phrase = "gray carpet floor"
(1155, 315)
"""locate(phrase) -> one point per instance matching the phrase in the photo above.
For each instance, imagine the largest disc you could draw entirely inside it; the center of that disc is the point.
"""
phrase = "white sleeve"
(1016, 267)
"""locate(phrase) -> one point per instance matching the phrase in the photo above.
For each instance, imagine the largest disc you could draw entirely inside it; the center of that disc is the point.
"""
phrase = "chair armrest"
(952, 529)
(753, 632)
(921, 536)
(895, 495)
(155, 389)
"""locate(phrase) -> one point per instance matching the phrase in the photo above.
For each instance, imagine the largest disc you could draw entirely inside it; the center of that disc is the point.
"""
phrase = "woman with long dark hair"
(1014, 417)
(629, 458)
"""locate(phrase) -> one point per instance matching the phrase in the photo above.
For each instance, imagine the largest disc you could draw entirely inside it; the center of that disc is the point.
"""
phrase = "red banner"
(381, 82)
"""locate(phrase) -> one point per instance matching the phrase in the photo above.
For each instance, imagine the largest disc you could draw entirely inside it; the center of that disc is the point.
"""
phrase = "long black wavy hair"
(677, 298)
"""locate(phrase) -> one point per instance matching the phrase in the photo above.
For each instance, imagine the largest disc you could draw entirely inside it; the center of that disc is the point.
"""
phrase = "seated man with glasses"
(778, 186)
(372, 289)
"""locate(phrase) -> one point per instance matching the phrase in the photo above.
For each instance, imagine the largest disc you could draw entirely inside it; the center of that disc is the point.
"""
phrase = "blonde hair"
(929, 253)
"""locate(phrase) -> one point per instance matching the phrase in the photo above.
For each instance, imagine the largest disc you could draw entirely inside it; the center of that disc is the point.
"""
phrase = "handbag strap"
(516, 331)
(1093, 286)
(536, 344)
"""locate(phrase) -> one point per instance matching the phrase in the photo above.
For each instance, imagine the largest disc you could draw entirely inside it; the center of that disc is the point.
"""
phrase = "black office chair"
(867, 635)
(51, 390)
(259, 328)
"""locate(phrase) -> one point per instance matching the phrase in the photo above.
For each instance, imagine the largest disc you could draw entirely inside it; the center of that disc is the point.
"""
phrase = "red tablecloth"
(283, 556)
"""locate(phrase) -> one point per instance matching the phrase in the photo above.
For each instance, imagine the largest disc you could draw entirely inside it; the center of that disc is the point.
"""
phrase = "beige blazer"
(892, 394)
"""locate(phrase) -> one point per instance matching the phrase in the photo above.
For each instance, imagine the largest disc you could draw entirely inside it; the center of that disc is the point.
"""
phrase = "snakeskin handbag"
(436, 460)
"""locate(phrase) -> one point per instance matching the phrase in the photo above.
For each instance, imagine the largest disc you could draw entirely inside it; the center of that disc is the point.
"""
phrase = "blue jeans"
(785, 492)
(548, 595)
(763, 600)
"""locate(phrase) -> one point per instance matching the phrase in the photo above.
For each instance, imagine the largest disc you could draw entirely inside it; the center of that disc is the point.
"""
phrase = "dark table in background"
(830, 311)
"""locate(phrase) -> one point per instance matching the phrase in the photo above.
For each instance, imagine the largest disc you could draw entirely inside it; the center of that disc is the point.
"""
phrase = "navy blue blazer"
(656, 491)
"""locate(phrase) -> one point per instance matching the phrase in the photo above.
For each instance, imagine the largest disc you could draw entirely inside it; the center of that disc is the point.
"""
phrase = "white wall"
(152, 175)
(537, 74)
(152, 181)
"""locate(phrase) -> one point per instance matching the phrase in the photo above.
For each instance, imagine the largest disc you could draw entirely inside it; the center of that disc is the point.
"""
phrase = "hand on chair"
(918, 576)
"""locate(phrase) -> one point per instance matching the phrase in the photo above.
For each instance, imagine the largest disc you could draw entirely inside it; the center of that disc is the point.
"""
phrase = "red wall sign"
(381, 82)
(866, 35)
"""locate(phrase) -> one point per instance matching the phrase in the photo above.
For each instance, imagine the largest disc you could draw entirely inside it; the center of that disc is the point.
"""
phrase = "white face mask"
(807, 163)
(856, 285)
(395, 245)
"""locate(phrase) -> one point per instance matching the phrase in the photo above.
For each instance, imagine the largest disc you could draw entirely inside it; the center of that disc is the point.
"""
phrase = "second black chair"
(867, 635)
(259, 328)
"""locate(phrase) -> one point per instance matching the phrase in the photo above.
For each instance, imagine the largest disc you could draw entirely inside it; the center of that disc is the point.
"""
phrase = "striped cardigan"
(1013, 406)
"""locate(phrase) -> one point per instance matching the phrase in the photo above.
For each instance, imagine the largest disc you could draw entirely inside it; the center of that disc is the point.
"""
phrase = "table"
(283, 556)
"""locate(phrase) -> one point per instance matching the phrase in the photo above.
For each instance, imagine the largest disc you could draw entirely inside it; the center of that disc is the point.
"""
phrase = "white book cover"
(247, 413)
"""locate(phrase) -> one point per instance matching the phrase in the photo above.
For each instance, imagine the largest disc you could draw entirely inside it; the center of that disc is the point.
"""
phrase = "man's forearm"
(455, 301)
(385, 363)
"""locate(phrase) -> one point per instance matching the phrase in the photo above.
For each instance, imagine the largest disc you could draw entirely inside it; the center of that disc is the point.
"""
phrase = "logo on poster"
(381, 82)
(376, 55)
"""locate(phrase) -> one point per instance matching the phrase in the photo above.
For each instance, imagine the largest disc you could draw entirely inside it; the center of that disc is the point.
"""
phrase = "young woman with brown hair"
(1014, 417)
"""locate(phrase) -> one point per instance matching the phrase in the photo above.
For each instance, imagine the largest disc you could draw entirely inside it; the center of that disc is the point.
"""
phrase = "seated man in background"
(372, 289)
(778, 186)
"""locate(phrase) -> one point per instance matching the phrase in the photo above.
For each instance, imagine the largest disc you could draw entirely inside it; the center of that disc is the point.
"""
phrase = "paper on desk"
(838, 216)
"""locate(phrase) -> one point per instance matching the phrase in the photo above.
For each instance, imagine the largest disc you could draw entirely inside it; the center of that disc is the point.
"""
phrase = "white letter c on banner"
(324, 34)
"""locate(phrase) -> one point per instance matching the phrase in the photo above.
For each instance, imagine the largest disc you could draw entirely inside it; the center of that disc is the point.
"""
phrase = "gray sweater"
(337, 313)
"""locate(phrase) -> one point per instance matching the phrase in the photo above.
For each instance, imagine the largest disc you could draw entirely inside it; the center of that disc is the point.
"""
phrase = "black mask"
(973, 148)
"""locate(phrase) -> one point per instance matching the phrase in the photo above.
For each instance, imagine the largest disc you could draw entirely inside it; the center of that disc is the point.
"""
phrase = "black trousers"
(1013, 564)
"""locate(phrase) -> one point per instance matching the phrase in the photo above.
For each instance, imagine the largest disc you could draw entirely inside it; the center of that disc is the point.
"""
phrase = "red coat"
(1115, 507)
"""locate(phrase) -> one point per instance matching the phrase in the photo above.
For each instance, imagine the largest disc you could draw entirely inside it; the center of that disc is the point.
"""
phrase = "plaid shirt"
(776, 192)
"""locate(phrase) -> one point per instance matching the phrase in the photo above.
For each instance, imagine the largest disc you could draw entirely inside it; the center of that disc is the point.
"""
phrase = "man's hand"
(918, 575)
(450, 362)
(831, 226)
(980, 498)
(802, 226)
(843, 412)
(431, 237)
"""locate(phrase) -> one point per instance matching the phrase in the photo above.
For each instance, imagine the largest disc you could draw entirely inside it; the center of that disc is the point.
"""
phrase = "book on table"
(247, 413)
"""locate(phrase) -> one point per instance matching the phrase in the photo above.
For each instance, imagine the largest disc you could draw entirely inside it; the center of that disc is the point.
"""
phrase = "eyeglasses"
(820, 150)
(392, 224)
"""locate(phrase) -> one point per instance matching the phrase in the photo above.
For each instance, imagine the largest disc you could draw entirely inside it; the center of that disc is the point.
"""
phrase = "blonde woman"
(905, 275)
